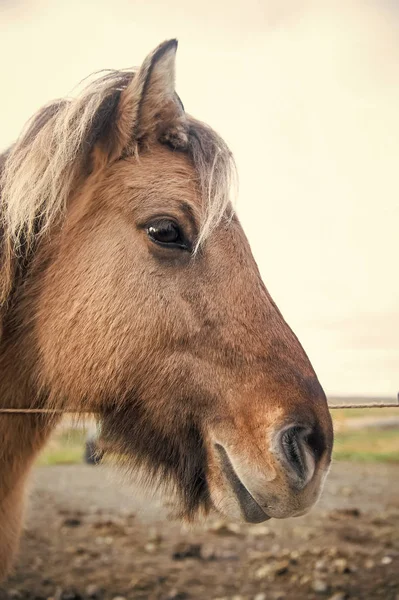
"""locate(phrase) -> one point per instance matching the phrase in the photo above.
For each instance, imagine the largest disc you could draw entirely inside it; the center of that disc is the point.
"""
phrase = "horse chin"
(232, 499)
(251, 511)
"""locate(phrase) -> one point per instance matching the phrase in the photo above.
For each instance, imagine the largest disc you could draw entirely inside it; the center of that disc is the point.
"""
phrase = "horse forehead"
(161, 164)
(157, 176)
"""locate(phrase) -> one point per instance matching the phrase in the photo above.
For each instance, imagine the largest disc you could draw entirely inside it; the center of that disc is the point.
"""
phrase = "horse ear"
(149, 107)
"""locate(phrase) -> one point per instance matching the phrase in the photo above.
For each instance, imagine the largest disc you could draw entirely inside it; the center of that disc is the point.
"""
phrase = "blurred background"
(306, 93)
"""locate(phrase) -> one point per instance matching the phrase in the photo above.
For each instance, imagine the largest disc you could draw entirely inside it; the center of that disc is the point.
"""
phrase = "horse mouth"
(251, 510)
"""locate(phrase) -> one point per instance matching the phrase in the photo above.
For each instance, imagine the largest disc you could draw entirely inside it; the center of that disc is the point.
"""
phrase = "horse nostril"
(294, 445)
(317, 442)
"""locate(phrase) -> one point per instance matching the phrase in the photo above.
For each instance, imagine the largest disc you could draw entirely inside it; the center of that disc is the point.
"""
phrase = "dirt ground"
(90, 537)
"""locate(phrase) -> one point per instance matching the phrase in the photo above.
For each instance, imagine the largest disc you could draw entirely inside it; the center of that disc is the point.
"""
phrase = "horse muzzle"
(285, 480)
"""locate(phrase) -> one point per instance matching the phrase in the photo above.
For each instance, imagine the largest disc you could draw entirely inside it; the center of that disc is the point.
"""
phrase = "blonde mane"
(51, 156)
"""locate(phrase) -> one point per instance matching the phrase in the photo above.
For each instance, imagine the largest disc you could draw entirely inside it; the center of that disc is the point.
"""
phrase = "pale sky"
(307, 95)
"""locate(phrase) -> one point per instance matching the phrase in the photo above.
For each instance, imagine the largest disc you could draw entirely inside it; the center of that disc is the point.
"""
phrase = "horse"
(128, 289)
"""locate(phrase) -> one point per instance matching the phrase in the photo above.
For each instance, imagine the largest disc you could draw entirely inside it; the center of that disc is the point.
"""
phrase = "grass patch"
(367, 445)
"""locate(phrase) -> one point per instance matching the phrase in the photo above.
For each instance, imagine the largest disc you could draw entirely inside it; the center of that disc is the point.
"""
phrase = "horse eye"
(166, 233)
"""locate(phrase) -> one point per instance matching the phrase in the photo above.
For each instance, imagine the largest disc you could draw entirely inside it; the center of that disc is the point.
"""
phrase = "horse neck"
(21, 438)
(21, 435)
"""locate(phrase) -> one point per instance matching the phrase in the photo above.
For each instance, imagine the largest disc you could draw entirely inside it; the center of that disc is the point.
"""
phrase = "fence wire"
(54, 411)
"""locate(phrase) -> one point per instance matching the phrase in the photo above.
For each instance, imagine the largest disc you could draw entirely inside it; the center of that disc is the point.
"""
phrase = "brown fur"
(178, 351)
